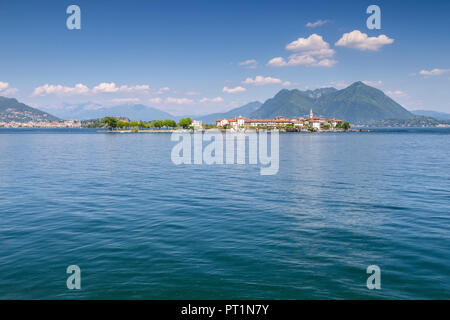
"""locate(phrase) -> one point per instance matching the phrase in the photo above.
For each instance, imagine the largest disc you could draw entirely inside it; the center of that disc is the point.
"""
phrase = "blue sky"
(198, 57)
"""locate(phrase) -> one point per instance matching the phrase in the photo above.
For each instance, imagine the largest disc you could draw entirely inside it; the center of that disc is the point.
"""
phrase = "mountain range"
(433, 114)
(87, 111)
(13, 110)
(358, 103)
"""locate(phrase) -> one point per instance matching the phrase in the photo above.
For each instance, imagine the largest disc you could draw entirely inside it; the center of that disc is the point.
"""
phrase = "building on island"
(315, 123)
(197, 124)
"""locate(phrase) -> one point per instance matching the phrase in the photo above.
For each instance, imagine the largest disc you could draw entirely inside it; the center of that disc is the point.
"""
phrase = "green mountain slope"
(13, 110)
(357, 103)
(361, 103)
(288, 103)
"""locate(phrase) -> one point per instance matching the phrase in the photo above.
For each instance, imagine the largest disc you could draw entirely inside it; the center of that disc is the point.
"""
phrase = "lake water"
(140, 227)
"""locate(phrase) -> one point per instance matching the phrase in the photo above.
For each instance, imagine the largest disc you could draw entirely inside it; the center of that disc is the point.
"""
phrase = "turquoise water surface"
(141, 227)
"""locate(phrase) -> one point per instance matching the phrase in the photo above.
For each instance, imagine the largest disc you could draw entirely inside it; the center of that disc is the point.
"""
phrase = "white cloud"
(142, 87)
(314, 45)
(336, 84)
(10, 91)
(318, 23)
(397, 94)
(311, 51)
(125, 100)
(277, 62)
(301, 60)
(105, 87)
(325, 63)
(361, 41)
(234, 90)
(250, 64)
(192, 93)
(111, 87)
(373, 83)
(179, 100)
(80, 89)
(155, 100)
(5, 89)
(163, 90)
(434, 72)
(217, 99)
(3, 85)
(260, 81)
(340, 84)
(47, 89)
(287, 84)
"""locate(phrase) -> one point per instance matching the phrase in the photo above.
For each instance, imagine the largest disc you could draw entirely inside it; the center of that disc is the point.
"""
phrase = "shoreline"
(104, 130)
(225, 131)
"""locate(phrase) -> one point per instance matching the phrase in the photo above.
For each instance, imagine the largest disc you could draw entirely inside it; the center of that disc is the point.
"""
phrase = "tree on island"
(185, 123)
(111, 122)
(346, 126)
(122, 124)
(169, 123)
(157, 124)
(143, 124)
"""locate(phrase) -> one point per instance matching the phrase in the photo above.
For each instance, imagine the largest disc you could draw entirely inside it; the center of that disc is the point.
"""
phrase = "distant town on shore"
(324, 109)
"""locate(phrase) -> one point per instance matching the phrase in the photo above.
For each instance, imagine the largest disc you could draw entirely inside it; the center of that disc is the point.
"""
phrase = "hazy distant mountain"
(13, 110)
(244, 111)
(88, 111)
(357, 103)
(433, 114)
(139, 112)
(69, 111)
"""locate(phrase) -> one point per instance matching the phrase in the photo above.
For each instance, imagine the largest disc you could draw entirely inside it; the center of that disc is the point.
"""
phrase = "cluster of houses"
(42, 124)
(315, 123)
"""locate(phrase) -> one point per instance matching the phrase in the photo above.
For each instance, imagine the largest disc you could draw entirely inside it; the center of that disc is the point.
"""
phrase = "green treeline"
(163, 124)
(114, 123)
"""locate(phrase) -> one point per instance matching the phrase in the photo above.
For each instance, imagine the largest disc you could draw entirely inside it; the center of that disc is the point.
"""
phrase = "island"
(237, 124)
